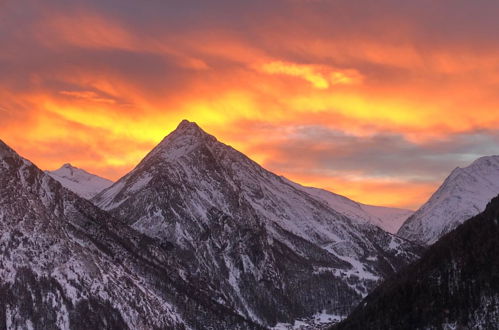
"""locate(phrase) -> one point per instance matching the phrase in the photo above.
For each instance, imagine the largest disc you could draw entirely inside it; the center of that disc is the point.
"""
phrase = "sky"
(374, 100)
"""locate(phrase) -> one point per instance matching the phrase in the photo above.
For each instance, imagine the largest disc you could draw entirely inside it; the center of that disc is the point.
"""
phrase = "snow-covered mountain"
(263, 246)
(464, 193)
(387, 218)
(65, 264)
(455, 285)
(79, 181)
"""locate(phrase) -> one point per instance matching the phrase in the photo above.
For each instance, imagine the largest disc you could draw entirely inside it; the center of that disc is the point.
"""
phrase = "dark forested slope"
(454, 285)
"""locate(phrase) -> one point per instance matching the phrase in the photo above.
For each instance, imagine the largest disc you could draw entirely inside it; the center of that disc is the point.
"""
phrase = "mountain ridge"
(67, 264)
(387, 218)
(463, 194)
(249, 228)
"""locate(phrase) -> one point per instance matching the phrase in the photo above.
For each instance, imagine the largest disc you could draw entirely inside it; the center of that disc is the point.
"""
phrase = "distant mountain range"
(88, 185)
(199, 236)
(388, 218)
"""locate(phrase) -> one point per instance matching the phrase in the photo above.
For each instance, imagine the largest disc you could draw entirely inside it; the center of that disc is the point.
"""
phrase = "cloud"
(380, 155)
(374, 168)
(352, 96)
(306, 72)
(319, 76)
(89, 95)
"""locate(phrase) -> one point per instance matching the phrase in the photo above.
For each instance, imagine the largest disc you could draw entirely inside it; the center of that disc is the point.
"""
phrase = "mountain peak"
(463, 194)
(184, 139)
(186, 133)
(66, 169)
(211, 200)
(186, 123)
(189, 128)
(79, 181)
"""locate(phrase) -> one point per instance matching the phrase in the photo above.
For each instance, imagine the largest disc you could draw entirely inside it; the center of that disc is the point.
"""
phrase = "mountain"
(464, 194)
(387, 218)
(272, 252)
(455, 285)
(65, 264)
(79, 181)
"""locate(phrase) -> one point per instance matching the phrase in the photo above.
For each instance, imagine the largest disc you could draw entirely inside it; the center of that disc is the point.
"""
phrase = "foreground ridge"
(68, 265)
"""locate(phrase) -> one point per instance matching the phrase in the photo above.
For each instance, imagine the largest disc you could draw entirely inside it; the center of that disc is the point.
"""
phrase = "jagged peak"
(67, 167)
(187, 137)
(186, 124)
(182, 140)
(188, 128)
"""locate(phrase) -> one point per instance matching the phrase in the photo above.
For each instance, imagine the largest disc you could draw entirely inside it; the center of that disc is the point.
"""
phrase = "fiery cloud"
(320, 77)
(377, 101)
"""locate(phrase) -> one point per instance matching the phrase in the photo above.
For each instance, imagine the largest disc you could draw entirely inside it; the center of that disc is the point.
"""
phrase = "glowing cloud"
(319, 76)
(89, 95)
(329, 93)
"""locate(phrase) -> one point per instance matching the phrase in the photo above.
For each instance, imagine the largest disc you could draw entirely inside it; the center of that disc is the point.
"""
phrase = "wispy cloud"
(88, 95)
(320, 76)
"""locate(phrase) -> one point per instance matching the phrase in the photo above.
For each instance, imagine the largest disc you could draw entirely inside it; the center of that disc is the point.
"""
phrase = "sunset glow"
(378, 102)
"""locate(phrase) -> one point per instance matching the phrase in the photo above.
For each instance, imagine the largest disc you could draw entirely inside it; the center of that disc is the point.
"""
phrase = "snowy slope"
(464, 193)
(273, 252)
(79, 181)
(65, 264)
(387, 218)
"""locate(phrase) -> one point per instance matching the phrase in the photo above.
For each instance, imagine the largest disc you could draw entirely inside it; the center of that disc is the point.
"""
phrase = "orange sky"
(375, 101)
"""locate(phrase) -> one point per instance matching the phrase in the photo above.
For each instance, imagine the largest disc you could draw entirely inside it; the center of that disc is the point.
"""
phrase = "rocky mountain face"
(464, 194)
(256, 242)
(79, 181)
(387, 218)
(455, 285)
(65, 264)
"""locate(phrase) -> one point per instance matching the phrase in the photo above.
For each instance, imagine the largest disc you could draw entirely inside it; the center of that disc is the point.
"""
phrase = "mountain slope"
(464, 193)
(271, 251)
(455, 285)
(79, 181)
(387, 218)
(65, 264)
